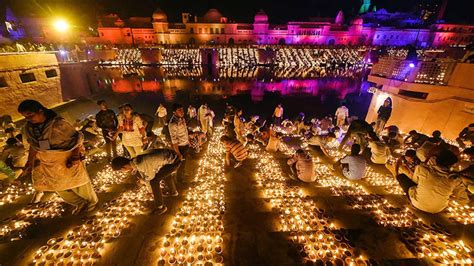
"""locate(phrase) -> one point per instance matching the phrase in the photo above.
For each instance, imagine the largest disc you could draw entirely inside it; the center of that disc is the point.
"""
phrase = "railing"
(427, 72)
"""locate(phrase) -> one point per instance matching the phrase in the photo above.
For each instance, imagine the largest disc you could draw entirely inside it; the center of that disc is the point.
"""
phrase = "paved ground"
(253, 215)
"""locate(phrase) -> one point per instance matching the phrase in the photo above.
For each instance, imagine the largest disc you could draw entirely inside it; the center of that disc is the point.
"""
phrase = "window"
(222, 31)
(3, 82)
(212, 30)
(200, 30)
(191, 30)
(51, 73)
(128, 33)
(27, 77)
(413, 94)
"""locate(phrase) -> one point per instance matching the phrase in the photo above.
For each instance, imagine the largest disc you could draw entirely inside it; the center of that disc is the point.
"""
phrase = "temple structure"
(370, 27)
(215, 28)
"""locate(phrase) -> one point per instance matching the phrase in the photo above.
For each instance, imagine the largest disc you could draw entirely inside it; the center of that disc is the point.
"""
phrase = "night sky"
(279, 11)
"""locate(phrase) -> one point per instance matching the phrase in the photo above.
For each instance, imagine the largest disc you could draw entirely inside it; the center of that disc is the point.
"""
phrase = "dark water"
(315, 91)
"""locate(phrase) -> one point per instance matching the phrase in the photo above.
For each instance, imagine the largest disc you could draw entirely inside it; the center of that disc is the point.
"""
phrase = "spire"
(340, 18)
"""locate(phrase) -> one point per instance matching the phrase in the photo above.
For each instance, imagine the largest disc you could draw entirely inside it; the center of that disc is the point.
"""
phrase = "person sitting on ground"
(379, 151)
(392, 141)
(353, 165)
(154, 166)
(323, 142)
(436, 137)
(274, 141)
(466, 136)
(357, 130)
(236, 148)
(433, 184)
(415, 139)
(407, 163)
(301, 166)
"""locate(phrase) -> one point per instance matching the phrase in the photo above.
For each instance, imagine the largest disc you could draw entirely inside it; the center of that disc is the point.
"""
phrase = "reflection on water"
(316, 84)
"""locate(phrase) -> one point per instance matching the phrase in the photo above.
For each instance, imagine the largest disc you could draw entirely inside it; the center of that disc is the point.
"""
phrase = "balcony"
(425, 72)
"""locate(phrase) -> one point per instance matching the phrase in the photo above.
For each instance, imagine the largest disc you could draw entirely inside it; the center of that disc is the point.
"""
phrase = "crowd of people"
(50, 150)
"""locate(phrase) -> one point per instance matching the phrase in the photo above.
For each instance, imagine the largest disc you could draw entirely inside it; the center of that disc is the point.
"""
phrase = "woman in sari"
(55, 156)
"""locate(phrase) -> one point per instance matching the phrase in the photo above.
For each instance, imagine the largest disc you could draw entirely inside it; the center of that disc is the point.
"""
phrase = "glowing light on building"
(61, 25)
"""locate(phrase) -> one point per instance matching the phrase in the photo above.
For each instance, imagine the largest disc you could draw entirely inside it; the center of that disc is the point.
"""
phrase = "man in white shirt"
(154, 166)
(301, 166)
(161, 114)
(278, 115)
(353, 165)
(432, 185)
(179, 135)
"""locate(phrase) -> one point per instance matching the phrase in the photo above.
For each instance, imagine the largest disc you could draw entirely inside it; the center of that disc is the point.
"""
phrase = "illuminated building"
(426, 95)
(215, 28)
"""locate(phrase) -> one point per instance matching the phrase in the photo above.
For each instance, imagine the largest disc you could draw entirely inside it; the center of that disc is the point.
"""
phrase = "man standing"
(161, 114)
(278, 115)
(107, 121)
(179, 135)
(153, 167)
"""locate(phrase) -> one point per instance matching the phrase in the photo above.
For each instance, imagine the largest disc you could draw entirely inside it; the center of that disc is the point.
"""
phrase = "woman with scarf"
(55, 156)
(133, 131)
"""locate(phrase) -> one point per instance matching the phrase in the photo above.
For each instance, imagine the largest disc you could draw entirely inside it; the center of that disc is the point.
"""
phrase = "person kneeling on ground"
(353, 165)
(237, 149)
(379, 151)
(433, 184)
(407, 163)
(301, 166)
(157, 165)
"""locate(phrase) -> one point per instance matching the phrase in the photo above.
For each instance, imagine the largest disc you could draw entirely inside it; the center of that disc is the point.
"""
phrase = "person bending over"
(154, 166)
(236, 148)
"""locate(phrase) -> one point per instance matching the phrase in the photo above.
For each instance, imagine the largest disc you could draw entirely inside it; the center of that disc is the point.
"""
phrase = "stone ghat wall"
(28, 76)
(449, 115)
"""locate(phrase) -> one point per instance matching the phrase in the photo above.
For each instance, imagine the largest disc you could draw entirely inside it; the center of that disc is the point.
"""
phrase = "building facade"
(214, 28)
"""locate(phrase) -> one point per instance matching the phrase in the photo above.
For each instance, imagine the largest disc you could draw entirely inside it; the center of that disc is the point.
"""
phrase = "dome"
(261, 17)
(119, 23)
(159, 16)
(357, 21)
(212, 16)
